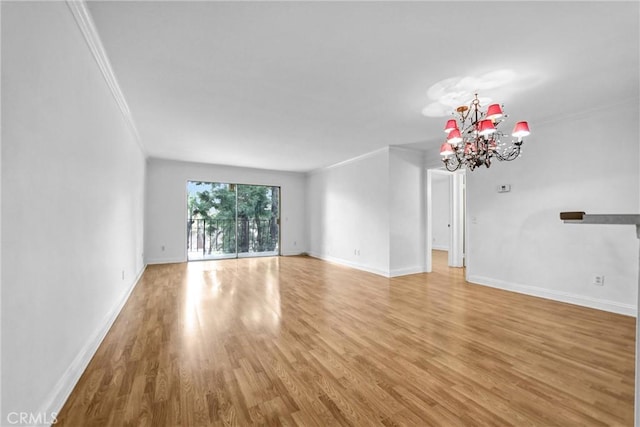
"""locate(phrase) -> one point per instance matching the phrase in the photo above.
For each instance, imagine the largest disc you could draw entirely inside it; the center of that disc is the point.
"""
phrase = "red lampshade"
(446, 149)
(521, 130)
(486, 127)
(494, 112)
(454, 137)
(451, 125)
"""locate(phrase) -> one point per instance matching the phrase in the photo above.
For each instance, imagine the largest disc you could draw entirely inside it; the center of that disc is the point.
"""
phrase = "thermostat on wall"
(504, 188)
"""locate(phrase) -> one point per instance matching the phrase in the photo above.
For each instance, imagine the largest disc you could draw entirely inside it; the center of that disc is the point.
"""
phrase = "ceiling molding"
(596, 108)
(349, 161)
(87, 27)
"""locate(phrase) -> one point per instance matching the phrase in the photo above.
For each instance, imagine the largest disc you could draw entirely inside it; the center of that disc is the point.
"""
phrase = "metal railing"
(218, 236)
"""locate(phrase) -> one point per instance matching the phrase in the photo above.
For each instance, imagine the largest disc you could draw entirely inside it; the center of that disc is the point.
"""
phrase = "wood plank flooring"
(298, 341)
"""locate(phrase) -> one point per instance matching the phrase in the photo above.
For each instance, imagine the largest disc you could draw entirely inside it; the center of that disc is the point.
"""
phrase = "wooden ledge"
(571, 215)
(582, 218)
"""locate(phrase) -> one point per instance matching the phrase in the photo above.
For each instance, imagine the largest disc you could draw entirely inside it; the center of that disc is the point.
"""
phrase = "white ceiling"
(301, 85)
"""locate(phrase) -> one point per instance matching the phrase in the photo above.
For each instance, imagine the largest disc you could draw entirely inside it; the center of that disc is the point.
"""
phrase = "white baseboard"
(165, 261)
(290, 253)
(385, 273)
(71, 376)
(405, 271)
(340, 261)
(440, 248)
(599, 304)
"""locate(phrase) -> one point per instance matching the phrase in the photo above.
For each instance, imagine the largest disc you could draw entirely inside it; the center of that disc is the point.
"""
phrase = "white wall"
(516, 239)
(348, 209)
(72, 206)
(368, 212)
(440, 210)
(406, 212)
(166, 204)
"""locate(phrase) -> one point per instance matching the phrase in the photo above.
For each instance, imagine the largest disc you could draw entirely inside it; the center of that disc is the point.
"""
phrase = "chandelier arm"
(452, 166)
(469, 129)
(459, 159)
(511, 155)
(464, 115)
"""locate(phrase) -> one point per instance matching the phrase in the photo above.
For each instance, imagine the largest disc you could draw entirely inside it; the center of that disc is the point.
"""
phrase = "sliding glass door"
(258, 224)
(232, 220)
(211, 220)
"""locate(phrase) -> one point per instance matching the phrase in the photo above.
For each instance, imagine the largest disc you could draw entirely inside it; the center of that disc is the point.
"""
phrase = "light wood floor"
(298, 341)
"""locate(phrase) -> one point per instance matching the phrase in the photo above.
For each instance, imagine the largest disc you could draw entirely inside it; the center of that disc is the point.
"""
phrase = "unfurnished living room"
(319, 213)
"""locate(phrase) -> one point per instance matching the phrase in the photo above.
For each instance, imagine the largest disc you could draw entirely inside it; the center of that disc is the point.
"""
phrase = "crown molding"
(83, 18)
(349, 161)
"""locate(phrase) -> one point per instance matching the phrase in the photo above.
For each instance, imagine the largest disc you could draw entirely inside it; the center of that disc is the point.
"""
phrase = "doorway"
(445, 200)
(228, 220)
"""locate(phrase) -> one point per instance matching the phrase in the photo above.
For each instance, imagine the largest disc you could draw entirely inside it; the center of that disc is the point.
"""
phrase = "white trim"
(440, 247)
(456, 219)
(406, 271)
(339, 261)
(428, 212)
(600, 304)
(210, 258)
(405, 149)
(165, 261)
(348, 161)
(573, 115)
(63, 388)
(87, 27)
(293, 253)
(206, 178)
(428, 231)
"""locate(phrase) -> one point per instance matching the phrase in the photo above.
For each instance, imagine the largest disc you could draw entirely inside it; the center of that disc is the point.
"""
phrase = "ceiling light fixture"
(479, 141)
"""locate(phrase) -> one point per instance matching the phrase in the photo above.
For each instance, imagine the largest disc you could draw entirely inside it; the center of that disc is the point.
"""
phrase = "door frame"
(236, 254)
(457, 231)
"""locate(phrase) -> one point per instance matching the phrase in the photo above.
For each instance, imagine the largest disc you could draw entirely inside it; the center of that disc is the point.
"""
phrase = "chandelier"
(477, 141)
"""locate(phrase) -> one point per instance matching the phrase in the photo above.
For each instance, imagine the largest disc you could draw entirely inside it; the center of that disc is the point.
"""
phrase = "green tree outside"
(212, 207)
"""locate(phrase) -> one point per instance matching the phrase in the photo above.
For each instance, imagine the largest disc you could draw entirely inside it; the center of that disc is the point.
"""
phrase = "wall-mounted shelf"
(583, 218)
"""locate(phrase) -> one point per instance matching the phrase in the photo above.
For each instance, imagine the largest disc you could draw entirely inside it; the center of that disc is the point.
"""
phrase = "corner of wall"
(63, 388)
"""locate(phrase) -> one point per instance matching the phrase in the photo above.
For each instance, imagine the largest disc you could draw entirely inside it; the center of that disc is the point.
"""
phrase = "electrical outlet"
(598, 280)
